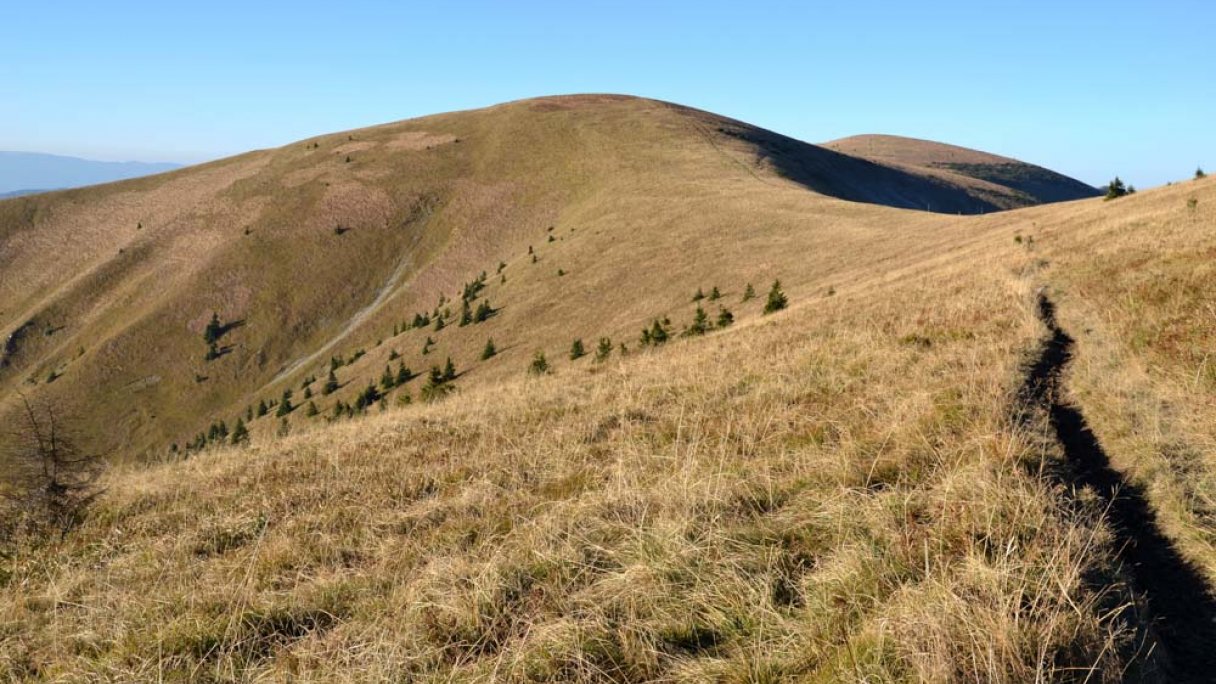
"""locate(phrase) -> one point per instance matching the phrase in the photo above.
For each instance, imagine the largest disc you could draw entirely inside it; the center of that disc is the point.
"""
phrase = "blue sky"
(1092, 89)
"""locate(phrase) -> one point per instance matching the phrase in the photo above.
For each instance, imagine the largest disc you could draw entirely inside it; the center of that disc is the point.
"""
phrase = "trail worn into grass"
(1179, 600)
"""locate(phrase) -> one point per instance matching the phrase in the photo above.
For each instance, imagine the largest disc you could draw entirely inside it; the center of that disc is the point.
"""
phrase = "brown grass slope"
(323, 247)
(835, 492)
(1003, 182)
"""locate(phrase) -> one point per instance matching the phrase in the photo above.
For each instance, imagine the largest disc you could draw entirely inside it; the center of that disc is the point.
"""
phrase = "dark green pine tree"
(367, 397)
(263, 409)
(715, 294)
(1116, 189)
(449, 371)
(700, 323)
(489, 350)
(658, 333)
(776, 299)
(308, 392)
(539, 365)
(1199, 174)
(435, 378)
(439, 324)
(285, 406)
(749, 293)
(240, 433)
(403, 374)
(211, 334)
(466, 315)
(426, 346)
(213, 352)
(603, 349)
(698, 296)
(331, 384)
(388, 380)
(311, 410)
(484, 311)
(576, 350)
(725, 318)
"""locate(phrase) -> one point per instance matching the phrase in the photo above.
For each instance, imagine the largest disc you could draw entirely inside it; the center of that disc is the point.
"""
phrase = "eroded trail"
(1179, 601)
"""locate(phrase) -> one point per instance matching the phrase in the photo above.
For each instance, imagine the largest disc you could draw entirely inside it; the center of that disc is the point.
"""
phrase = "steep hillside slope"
(330, 246)
(1003, 182)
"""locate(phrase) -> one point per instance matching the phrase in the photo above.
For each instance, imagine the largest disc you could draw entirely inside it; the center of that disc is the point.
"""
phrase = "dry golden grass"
(837, 492)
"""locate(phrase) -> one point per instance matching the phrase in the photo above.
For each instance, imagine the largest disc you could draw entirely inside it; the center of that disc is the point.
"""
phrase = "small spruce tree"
(715, 294)
(725, 318)
(776, 299)
(285, 406)
(331, 384)
(240, 433)
(403, 374)
(539, 365)
(700, 323)
(466, 315)
(1116, 189)
(1199, 174)
(211, 334)
(489, 350)
(388, 380)
(311, 410)
(658, 333)
(435, 377)
(576, 350)
(603, 349)
(749, 293)
(484, 311)
(698, 296)
(263, 409)
(449, 370)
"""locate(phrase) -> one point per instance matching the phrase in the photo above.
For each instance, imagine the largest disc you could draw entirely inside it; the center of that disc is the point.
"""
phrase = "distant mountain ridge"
(23, 173)
(1001, 182)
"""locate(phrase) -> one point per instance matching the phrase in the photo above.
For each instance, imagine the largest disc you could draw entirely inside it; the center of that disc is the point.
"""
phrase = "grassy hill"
(864, 486)
(1002, 182)
(322, 248)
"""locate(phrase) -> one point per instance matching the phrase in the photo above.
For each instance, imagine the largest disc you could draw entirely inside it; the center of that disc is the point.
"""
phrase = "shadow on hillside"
(838, 175)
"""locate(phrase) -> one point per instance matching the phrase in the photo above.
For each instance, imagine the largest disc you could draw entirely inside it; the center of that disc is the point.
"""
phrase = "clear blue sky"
(1088, 88)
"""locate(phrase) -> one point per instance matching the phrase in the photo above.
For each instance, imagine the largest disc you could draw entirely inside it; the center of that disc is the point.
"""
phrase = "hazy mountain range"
(22, 173)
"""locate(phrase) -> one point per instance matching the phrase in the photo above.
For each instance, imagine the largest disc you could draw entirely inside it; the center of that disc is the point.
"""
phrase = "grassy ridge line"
(835, 492)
